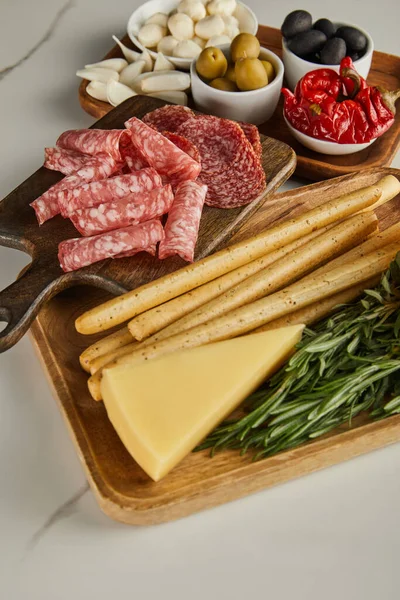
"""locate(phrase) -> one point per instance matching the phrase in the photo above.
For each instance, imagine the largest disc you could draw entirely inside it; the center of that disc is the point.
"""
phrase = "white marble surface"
(329, 535)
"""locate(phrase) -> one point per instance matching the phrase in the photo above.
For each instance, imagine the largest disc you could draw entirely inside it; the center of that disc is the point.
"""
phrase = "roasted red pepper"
(339, 107)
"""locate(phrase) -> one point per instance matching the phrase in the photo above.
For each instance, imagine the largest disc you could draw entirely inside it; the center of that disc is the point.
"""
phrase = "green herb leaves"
(348, 364)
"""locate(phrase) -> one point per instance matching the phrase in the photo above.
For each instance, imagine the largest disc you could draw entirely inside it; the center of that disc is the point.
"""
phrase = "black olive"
(354, 55)
(333, 51)
(313, 58)
(355, 40)
(308, 42)
(296, 22)
(326, 26)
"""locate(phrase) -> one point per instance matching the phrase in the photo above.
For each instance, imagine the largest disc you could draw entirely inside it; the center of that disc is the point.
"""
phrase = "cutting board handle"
(21, 301)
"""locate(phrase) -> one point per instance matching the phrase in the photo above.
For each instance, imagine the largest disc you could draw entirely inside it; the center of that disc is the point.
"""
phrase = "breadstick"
(256, 314)
(327, 245)
(159, 317)
(165, 288)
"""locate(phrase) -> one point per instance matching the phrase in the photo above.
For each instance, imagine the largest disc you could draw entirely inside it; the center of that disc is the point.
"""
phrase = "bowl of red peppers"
(338, 113)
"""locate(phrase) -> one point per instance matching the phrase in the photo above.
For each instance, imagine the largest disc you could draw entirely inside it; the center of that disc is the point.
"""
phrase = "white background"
(334, 534)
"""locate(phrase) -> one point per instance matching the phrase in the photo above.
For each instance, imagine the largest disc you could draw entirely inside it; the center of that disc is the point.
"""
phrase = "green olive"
(221, 83)
(250, 74)
(269, 68)
(230, 73)
(211, 63)
(245, 45)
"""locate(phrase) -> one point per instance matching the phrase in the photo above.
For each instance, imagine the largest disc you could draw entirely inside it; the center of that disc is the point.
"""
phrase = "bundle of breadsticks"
(297, 271)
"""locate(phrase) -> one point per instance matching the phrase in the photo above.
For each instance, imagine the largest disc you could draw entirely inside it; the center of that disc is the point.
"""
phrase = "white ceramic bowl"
(255, 106)
(247, 23)
(324, 147)
(296, 67)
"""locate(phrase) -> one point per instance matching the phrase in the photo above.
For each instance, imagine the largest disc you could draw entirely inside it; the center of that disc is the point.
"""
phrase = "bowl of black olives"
(308, 45)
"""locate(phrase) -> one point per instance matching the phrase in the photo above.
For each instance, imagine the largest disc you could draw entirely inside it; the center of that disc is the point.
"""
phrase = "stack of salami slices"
(120, 183)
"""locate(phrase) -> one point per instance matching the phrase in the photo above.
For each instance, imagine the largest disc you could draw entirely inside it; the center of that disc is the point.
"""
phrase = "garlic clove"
(118, 92)
(130, 55)
(209, 27)
(218, 40)
(221, 7)
(159, 19)
(181, 26)
(136, 85)
(150, 35)
(167, 45)
(244, 18)
(231, 26)
(169, 81)
(199, 41)
(98, 74)
(116, 64)
(171, 96)
(148, 61)
(186, 49)
(162, 63)
(131, 72)
(97, 90)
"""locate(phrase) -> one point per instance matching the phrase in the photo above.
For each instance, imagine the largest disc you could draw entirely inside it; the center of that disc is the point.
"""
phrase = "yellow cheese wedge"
(162, 408)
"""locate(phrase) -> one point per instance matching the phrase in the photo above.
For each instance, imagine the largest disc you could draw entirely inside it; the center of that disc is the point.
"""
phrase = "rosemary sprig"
(348, 364)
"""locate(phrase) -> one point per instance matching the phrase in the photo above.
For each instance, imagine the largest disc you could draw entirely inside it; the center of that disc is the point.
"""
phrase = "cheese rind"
(162, 408)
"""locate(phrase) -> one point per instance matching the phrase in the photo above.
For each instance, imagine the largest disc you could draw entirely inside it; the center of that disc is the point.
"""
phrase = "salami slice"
(131, 210)
(152, 249)
(168, 118)
(80, 252)
(94, 141)
(162, 154)
(236, 187)
(96, 168)
(64, 161)
(253, 135)
(219, 141)
(183, 144)
(239, 185)
(133, 158)
(182, 227)
(92, 194)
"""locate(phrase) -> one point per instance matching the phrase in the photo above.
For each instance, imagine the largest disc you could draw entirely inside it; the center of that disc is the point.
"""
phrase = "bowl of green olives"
(241, 81)
(307, 46)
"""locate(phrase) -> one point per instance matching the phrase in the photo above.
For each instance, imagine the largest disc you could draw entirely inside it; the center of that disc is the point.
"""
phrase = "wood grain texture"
(122, 489)
(22, 300)
(385, 71)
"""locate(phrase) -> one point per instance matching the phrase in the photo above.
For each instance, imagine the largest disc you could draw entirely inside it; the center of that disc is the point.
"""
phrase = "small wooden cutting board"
(21, 301)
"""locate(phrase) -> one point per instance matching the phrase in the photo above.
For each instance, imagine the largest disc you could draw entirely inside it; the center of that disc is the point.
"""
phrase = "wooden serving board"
(21, 301)
(385, 71)
(123, 490)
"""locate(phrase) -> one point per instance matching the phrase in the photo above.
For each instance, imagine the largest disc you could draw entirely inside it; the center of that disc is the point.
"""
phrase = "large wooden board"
(20, 302)
(122, 489)
(385, 71)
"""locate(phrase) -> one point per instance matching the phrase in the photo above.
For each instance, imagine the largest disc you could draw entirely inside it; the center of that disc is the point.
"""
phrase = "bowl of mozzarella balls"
(181, 29)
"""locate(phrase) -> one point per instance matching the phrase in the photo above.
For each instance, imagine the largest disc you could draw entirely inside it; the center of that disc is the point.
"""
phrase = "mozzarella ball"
(181, 26)
(167, 45)
(194, 10)
(158, 19)
(209, 27)
(150, 35)
(199, 42)
(221, 7)
(218, 40)
(231, 26)
(187, 49)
